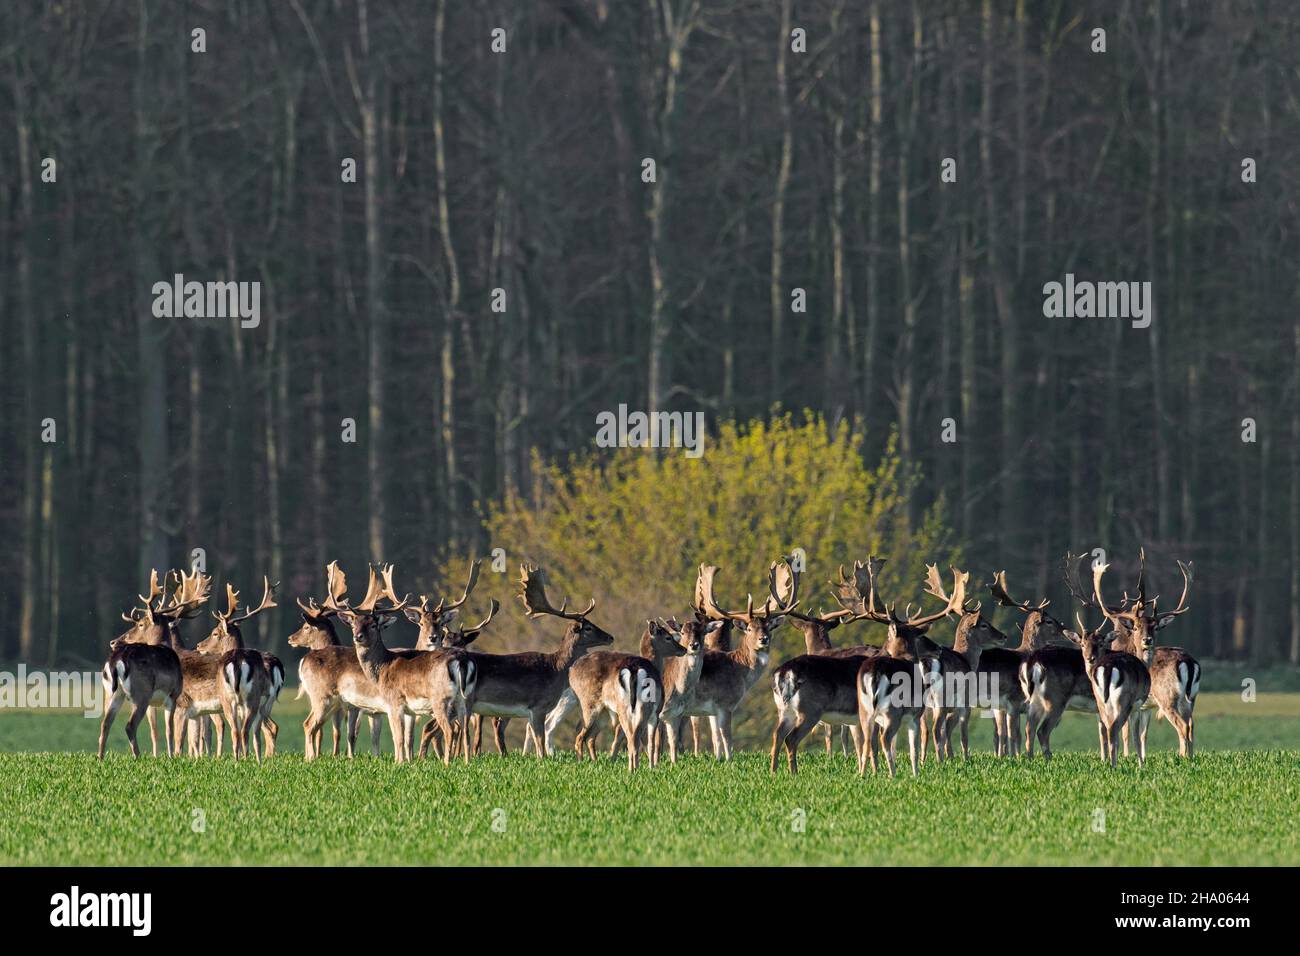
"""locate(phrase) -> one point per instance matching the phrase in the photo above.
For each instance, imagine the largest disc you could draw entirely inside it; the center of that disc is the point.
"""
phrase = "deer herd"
(702, 667)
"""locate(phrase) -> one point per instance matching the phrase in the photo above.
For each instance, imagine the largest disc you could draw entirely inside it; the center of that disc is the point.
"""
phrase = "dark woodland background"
(521, 171)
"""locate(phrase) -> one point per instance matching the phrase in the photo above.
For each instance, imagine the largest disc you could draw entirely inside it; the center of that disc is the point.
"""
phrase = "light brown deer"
(438, 684)
(456, 638)
(726, 677)
(1120, 684)
(629, 687)
(1175, 674)
(1002, 664)
(246, 683)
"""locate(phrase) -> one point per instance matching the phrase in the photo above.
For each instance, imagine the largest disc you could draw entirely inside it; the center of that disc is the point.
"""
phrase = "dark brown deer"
(1120, 684)
(725, 678)
(1002, 664)
(437, 683)
(822, 684)
(906, 640)
(531, 685)
(246, 684)
(158, 626)
(144, 669)
(1175, 674)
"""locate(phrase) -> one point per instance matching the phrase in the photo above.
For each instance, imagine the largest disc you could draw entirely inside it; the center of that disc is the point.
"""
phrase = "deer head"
(227, 635)
(1039, 627)
(154, 620)
(367, 619)
(1093, 643)
(859, 595)
(432, 618)
(1136, 617)
(580, 633)
(464, 636)
(317, 628)
(757, 622)
(973, 628)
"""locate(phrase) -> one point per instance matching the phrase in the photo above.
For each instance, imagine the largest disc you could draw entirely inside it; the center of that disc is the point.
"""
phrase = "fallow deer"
(974, 635)
(246, 684)
(459, 638)
(158, 625)
(1120, 684)
(438, 683)
(629, 687)
(144, 669)
(530, 685)
(1002, 664)
(726, 677)
(906, 639)
(822, 684)
(1175, 674)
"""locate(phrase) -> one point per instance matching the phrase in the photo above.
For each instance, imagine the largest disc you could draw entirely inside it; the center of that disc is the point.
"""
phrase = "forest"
(448, 236)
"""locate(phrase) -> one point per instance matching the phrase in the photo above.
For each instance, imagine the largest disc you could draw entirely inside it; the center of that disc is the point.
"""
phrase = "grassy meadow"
(1234, 805)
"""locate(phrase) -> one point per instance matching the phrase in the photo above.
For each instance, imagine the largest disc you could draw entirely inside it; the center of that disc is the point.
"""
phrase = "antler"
(532, 592)
(999, 591)
(190, 594)
(782, 582)
(155, 589)
(442, 602)
(493, 607)
(1182, 608)
(859, 595)
(934, 586)
(268, 589)
(1071, 574)
(336, 587)
(957, 600)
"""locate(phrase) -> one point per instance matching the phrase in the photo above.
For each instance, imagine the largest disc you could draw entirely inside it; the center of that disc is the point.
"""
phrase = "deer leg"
(695, 736)
(252, 725)
(724, 733)
(427, 738)
(890, 732)
(794, 738)
(270, 731)
(311, 729)
(785, 722)
(963, 726)
(138, 711)
(868, 744)
(376, 728)
(911, 747)
(106, 723)
(151, 718)
(218, 728)
(498, 734)
(228, 710)
(537, 726)
(1191, 733)
(169, 708)
(337, 723)
(399, 735)
(633, 744)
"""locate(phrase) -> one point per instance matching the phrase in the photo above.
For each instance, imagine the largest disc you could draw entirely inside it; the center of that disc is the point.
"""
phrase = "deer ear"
(713, 626)
(1071, 636)
(1165, 620)
(412, 615)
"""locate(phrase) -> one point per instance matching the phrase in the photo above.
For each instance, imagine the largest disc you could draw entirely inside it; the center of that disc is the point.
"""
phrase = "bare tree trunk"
(1294, 644)
(152, 391)
(452, 304)
(375, 302)
(1009, 482)
(906, 360)
(28, 625)
(777, 293)
(869, 358)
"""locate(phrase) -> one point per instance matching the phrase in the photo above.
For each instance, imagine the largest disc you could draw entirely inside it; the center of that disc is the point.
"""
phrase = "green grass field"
(1236, 804)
